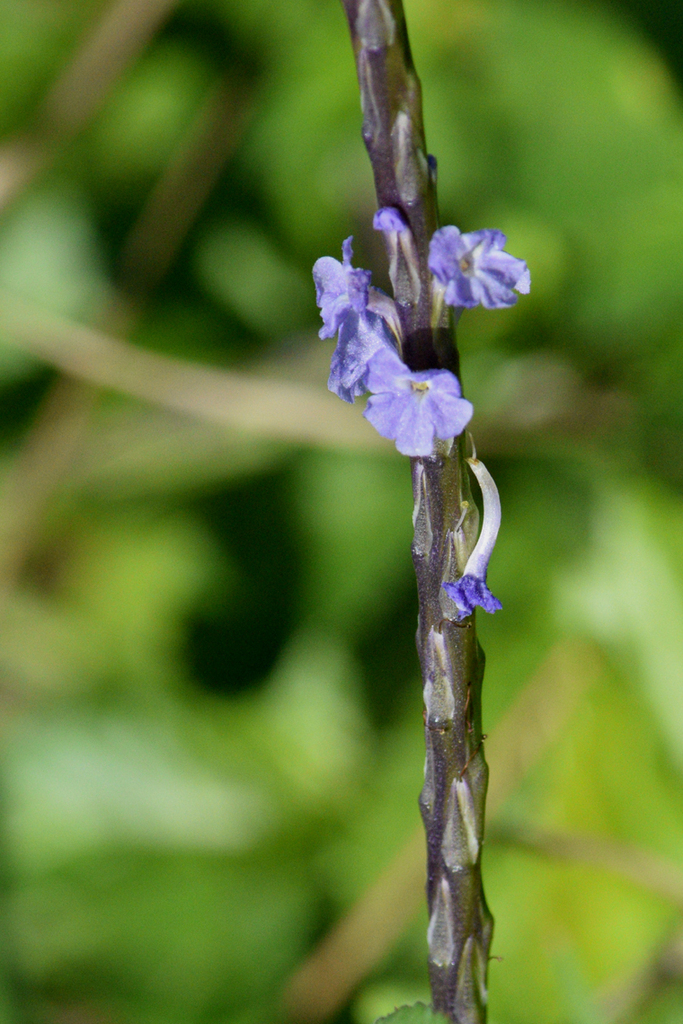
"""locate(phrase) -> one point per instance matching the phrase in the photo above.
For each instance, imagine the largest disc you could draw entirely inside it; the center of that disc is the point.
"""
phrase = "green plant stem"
(453, 798)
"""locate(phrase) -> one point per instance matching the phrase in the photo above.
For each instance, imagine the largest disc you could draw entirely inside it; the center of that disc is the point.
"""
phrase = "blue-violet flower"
(364, 317)
(412, 408)
(471, 590)
(361, 335)
(473, 268)
(339, 289)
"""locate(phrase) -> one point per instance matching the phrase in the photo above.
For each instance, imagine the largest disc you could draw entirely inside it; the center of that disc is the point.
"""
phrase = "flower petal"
(445, 249)
(361, 335)
(449, 414)
(384, 411)
(413, 407)
(339, 289)
(386, 372)
(415, 435)
(468, 593)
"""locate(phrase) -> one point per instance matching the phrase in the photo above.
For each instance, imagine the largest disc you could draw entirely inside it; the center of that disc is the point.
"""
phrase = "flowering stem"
(391, 101)
(452, 801)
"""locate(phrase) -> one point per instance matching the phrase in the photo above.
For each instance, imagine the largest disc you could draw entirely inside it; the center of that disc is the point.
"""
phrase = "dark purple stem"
(456, 775)
(391, 100)
(453, 798)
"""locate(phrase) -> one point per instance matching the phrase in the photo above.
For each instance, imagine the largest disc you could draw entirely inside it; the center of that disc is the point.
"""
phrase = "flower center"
(419, 385)
(466, 264)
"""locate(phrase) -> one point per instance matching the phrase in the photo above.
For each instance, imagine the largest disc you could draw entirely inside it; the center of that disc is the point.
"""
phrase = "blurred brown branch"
(642, 867)
(180, 193)
(543, 398)
(621, 1002)
(57, 434)
(278, 409)
(107, 50)
(40, 466)
(366, 933)
(105, 53)
(142, 450)
(275, 409)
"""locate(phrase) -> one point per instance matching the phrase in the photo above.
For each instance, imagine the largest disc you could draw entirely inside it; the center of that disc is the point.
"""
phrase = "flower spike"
(471, 590)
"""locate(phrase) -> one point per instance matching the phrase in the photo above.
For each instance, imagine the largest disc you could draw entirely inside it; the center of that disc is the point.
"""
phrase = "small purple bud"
(388, 218)
(399, 240)
(470, 591)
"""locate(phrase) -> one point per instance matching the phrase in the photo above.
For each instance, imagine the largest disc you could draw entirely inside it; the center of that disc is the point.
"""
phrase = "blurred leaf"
(78, 784)
(417, 1014)
(125, 585)
(241, 267)
(32, 46)
(544, 909)
(50, 255)
(262, 24)
(377, 827)
(575, 989)
(309, 120)
(145, 118)
(315, 730)
(665, 1007)
(590, 783)
(133, 578)
(355, 511)
(161, 937)
(380, 999)
(628, 594)
(61, 658)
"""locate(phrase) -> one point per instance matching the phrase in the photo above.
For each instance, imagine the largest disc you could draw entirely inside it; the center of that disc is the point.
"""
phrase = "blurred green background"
(210, 706)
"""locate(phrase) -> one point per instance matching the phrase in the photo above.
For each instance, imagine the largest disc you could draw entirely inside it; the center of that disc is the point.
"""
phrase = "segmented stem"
(446, 521)
(454, 794)
(391, 100)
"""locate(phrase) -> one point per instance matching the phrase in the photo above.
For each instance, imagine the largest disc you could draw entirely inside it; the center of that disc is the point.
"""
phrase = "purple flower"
(364, 317)
(414, 408)
(360, 336)
(339, 289)
(474, 269)
(471, 590)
